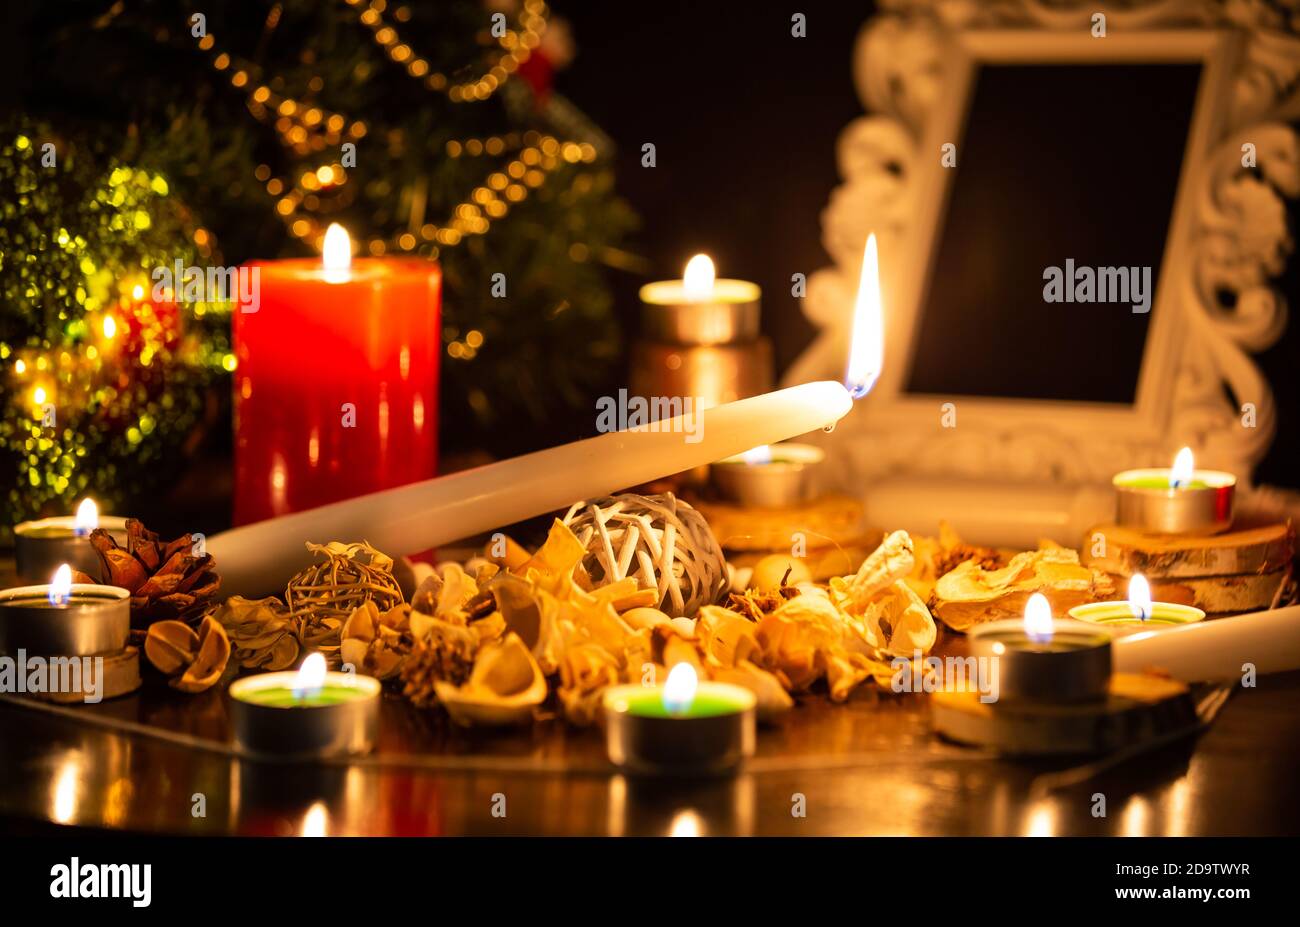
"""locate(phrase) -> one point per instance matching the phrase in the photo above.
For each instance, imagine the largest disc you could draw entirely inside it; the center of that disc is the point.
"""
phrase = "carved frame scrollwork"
(1228, 239)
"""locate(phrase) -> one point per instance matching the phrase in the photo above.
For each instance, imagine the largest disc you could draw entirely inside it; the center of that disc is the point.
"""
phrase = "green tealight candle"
(706, 704)
(1120, 615)
(309, 713)
(1177, 500)
(685, 727)
(1152, 482)
(285, 697)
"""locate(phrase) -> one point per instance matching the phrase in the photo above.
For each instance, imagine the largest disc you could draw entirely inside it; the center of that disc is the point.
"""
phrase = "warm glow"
(110, 326)
(336, 255)
(137, 293)
(316, 822)
(757, 455)
(1038, 618)
(686, 823)
(1139, 596)
(698, 279)
(1041, 820)
(679, 690)
(64, 808)
(311, 676)
(1184, 464)
(87, 518)
(61, 585)
(38, 396)
(867, 343)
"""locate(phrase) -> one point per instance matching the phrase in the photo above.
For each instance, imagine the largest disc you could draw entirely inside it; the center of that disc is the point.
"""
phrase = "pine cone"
(442, 658)
(166, 580)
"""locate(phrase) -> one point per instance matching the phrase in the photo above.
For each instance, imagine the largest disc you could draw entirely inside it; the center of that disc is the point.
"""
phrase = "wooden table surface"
(868, 767)
(871, 766)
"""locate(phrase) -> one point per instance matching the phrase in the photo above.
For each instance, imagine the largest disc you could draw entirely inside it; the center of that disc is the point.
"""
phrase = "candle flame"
(336, 254)
(1184, 464)
(1038, 618)
(61, 585)
(316, 822)
(757, 455)
(86, 519)
(1139, 596)
(699, 276)
(311, 676)
(679, 690)
(867, 343)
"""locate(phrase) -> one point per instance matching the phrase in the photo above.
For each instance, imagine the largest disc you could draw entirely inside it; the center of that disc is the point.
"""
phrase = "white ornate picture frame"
(914, 68)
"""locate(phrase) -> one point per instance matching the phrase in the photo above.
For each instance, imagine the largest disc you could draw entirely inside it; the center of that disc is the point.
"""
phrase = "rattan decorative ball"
(662, 541)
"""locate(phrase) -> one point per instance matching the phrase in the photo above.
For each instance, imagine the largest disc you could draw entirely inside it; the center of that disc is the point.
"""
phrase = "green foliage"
(101, 386)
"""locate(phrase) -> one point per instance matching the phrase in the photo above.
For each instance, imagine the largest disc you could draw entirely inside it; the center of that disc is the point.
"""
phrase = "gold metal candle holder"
(699, 337)
(94, 620)
(730, 313)
(1203, 506)
(1074, 665)
(41, 546)
(768, 477)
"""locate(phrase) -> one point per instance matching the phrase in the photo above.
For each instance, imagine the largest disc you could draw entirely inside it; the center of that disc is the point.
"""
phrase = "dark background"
(745, 119)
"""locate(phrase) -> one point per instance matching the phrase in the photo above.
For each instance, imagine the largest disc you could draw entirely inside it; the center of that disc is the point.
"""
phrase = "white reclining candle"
(258, 559)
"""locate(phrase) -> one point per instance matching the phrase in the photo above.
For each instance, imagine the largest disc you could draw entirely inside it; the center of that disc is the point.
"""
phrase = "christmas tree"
(428, 130)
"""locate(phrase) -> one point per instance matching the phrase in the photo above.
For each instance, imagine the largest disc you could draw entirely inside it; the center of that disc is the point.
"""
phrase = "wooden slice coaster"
(1249, 549)
(121, 675)
(1139, 708)
(1219, 594)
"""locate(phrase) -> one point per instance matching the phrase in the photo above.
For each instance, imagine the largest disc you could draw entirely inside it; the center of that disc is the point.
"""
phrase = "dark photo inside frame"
(1057, 163)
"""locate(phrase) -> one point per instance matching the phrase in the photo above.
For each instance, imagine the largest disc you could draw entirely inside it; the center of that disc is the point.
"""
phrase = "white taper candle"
(1218, 649)
(260, 558)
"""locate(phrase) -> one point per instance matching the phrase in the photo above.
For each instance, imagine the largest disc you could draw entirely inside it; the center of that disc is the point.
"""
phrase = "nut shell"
(171, 646)
(194, 661)
(214, 654)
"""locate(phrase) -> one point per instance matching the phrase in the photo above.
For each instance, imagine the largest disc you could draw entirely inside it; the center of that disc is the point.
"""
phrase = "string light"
(516, 44)
(305, 128)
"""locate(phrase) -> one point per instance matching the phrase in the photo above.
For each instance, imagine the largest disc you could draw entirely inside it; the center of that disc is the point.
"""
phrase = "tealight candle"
(770, 475)
(1138, 612)
(1043, 658)
(308, 713)
(1179, 500)
(62, 618)
(699, 337)
(40, 546)
(683, 727)
(700, 309)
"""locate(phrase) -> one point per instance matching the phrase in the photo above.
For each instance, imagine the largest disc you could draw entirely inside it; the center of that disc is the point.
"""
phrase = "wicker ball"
(663, 542)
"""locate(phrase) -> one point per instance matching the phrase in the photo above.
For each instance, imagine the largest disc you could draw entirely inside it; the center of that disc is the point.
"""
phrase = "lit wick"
(679, 690)
(1139, 596)
(61, 586)
(336, 254)
(87, 518)
(866, 346)
(311, 677)
(1184, 466)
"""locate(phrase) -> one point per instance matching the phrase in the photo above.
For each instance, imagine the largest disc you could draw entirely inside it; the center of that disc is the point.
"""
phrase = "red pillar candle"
(336, 385)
